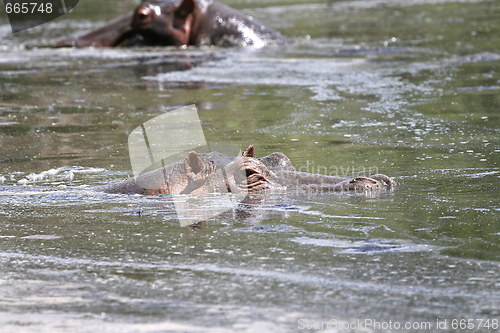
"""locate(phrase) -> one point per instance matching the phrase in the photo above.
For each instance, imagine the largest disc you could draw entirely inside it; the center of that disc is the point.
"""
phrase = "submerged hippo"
(215, 172)
(178, 23)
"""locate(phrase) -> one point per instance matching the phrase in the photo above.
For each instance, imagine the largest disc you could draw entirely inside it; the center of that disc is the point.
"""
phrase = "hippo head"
(166, 22)
(243, 174)
(154, 22)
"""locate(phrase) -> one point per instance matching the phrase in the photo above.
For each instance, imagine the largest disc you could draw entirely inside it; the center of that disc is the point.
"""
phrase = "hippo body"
(179, 23)
(216, 172)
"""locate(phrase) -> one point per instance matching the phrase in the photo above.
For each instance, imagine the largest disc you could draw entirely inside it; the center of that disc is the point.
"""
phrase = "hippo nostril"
(143, 15)
(144, 12)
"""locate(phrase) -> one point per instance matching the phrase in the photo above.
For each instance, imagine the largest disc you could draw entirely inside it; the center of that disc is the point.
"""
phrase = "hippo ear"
(186, 8)
(249, 152)
(193, 163)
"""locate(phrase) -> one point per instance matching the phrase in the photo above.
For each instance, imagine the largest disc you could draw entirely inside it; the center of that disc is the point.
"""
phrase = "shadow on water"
(409, 89)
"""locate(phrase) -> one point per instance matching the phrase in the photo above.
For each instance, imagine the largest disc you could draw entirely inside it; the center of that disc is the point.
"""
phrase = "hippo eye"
(157, 10)
(250, 172)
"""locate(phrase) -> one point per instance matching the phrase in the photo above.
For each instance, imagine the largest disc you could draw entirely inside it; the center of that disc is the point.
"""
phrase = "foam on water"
(62, 174)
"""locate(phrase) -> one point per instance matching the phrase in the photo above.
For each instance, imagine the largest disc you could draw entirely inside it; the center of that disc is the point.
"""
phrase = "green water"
(408, 89)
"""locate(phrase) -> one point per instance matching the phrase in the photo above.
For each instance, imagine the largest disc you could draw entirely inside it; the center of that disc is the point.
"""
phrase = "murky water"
(410, 89)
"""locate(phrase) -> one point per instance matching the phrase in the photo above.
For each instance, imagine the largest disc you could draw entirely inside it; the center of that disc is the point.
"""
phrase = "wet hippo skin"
(178, 23)
(215, 172)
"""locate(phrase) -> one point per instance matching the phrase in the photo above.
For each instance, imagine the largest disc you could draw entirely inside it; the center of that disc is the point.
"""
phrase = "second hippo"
(179, 23)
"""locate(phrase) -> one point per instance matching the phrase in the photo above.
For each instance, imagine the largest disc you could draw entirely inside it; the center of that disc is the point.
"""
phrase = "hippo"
(179, 23)
(215, 173)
